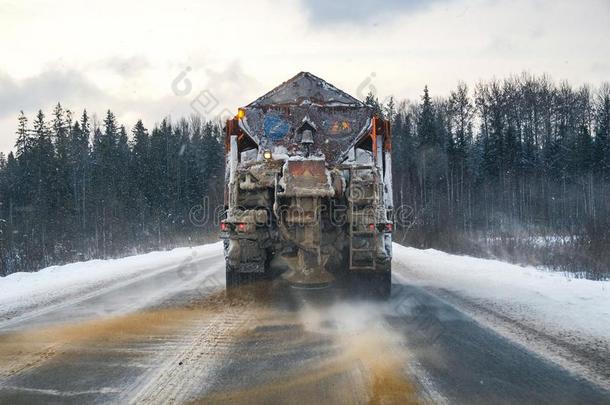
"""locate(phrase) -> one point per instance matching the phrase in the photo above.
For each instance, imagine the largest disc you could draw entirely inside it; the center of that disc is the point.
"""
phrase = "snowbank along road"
(157, 328)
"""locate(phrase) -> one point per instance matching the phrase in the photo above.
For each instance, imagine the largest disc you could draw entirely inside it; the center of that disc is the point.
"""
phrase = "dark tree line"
(76, 190)
(518, 168)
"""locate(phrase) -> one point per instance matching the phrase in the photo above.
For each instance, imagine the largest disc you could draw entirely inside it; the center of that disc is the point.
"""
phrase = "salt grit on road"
(552, 300)
(540, 307)
(183, 340)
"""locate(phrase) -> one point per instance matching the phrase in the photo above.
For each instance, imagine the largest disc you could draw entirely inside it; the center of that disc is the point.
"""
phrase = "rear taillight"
(389, 227)
(371, 227)
(241, 227)
(224, 227)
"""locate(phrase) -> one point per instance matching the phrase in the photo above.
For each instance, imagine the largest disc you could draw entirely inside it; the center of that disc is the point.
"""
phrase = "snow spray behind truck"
(308, 189)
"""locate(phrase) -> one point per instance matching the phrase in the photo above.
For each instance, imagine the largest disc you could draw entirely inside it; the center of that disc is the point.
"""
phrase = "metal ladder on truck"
(365, 230)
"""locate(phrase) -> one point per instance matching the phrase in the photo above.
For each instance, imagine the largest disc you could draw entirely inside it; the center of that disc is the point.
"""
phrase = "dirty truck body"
(308, 190)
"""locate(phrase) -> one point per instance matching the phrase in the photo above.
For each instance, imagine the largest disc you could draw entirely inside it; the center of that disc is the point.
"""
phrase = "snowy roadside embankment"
(551, 299)
(563, 318)
(20, 291)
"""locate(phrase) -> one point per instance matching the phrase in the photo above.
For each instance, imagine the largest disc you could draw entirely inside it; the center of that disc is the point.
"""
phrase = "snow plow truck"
(308, 190)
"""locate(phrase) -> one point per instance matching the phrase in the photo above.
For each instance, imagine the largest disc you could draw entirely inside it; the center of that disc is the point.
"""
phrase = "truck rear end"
(308, 190)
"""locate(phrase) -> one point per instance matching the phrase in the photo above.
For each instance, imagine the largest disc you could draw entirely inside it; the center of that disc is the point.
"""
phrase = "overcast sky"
(152, 59)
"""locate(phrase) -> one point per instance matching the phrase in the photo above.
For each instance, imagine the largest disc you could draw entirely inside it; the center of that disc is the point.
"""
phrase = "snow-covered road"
(157, 328)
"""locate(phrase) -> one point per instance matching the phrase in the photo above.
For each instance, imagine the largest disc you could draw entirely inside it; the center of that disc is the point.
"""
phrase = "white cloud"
(125, 55)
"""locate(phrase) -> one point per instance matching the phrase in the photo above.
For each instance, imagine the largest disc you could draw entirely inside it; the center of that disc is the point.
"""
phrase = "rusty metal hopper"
(306, 110)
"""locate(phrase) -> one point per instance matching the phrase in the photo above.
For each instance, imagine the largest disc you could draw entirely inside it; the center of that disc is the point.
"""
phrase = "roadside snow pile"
(550, 301)
(23, 290)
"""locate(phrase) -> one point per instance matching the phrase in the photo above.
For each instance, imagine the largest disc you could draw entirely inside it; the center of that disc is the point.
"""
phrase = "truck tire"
(233, 278)
(236, 279)
(382, 285)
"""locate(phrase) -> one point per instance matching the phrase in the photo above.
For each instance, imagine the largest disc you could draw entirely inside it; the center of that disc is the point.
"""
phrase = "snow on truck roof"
(306, 88)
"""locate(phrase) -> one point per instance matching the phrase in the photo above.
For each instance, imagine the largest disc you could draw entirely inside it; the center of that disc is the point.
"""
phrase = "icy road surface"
(158, 328)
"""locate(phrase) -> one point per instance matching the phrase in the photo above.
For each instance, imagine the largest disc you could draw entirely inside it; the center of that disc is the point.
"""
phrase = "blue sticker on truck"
(275, 127)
